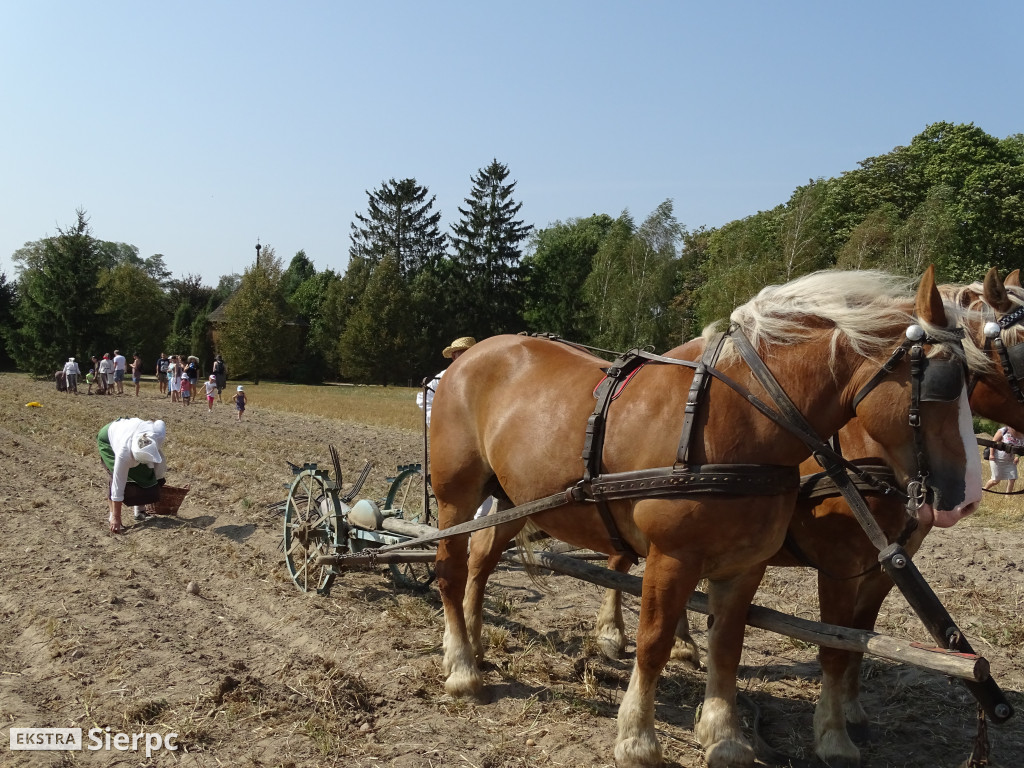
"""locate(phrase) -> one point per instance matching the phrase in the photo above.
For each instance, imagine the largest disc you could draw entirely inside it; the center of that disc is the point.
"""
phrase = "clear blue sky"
(190, 129)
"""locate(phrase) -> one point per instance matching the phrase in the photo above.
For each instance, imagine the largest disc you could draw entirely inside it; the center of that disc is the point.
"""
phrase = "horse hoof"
(610, 647)
(729, 754)
(686, 654)
(859, 732)
(637, 752)
(463, 683)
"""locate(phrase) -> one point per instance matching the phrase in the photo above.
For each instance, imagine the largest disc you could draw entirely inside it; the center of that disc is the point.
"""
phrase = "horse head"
(993, 318)
(914, 404)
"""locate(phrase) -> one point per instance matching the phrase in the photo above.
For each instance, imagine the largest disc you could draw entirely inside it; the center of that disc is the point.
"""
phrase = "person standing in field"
(174, 379)
(137, 372)
(1003, 464)
(211, 389)
(71, 372)
(240, 401)
(120, 366)
(186, 390)
(107, 374)
(425, 398)
(161, 372)
(220, 371)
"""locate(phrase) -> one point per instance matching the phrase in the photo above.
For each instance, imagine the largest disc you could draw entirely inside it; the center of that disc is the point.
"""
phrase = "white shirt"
(119, 362)
(431, 389)
(120, 435)
(71, 369)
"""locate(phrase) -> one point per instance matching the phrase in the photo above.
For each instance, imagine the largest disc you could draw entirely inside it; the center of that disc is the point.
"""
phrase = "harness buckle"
(916, 496)
(915, 419)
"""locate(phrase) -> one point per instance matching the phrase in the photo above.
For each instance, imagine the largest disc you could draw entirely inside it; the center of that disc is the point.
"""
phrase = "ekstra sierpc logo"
(68, 739)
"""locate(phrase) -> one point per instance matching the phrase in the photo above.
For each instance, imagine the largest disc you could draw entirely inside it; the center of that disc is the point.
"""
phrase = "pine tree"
(488, 256)
(375, 345)
(59, 299)
(400, 221)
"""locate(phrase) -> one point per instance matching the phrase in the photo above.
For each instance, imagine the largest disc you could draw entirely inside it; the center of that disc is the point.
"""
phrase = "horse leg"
(685, 650)
(610, 629)
(719, 726)
(459, 661)
(667, 585)
(486, 547)
(832, 742)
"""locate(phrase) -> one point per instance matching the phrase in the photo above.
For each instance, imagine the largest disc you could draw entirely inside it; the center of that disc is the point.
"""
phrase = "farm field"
(98, 630)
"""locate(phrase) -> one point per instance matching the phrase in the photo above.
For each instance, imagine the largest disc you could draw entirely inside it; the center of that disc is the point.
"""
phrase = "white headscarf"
(147, 441)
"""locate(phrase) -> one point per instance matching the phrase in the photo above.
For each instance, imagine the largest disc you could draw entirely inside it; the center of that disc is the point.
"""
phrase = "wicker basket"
(170, 500)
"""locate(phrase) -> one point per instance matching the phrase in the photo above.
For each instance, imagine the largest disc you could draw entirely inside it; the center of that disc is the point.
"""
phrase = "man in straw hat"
(425, 397)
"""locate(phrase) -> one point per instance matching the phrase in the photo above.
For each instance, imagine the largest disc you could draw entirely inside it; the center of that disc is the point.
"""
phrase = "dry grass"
(374, 406)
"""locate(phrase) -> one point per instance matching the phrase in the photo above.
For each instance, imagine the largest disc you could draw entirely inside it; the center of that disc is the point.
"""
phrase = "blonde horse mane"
(861, 307)
(970, 299)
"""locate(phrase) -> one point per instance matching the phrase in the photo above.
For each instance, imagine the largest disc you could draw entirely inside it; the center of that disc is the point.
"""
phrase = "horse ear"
(994, 293)
(1013, 279)
(928, 305)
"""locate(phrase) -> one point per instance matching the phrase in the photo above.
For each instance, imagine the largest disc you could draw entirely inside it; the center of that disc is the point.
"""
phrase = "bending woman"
(131, 452)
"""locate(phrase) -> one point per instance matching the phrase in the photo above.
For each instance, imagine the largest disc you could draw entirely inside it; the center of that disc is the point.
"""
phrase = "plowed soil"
(102, 631)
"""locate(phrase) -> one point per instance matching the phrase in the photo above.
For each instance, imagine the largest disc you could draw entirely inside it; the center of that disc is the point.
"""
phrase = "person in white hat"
(240, 401)
(132, 452)
(71, 373)
(425, 397)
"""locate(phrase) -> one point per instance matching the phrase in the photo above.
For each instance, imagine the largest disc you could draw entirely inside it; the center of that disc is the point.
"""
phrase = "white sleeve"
(123, 461)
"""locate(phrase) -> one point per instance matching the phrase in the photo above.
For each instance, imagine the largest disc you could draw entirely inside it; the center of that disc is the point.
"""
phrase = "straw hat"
(458, 345)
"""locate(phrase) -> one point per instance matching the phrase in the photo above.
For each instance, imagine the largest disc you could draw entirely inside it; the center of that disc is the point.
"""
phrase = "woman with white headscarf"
(131, 450)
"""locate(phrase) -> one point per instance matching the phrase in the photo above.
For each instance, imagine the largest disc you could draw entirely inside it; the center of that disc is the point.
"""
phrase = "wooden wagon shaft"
(960, 665)
(964, 666)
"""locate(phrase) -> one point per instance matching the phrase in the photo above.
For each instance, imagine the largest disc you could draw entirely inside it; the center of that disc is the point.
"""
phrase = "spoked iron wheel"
(407, 497)
(311, 530)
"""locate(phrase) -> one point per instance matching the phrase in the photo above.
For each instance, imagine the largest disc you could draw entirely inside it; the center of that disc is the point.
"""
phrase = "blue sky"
(190, 129)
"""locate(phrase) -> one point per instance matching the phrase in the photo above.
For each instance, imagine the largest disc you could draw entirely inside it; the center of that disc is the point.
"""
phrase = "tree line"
(954, 196)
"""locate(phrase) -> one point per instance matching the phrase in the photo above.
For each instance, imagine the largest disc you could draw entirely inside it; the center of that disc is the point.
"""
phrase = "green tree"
(488, 255)
(634, 280)
(299, 271)
(311, 302)
(8, 301)
(133, 310)
(256, 339)
(58, 288)
(556, 270)
(374, 347)
(401, 222)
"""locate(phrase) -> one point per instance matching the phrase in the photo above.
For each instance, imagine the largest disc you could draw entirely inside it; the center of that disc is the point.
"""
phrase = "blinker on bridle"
(931, 381)
(1010, 358)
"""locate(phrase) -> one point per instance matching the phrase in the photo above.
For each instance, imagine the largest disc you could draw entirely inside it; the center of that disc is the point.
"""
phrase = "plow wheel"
(406, 496)
(415, 576)
(311, 529)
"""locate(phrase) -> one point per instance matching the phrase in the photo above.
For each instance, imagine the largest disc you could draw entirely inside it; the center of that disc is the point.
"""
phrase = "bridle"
(931, 381)
(1010, 358)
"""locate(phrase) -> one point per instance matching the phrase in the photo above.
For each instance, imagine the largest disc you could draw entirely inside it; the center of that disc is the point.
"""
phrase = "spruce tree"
(59, 298)
(488, 256)
(401, 222)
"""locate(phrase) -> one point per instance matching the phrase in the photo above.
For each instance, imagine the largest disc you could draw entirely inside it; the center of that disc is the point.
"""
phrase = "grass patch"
(374, 406)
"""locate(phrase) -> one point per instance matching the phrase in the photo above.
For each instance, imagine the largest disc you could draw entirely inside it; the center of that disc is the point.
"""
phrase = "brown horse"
(825, 535)
(509, 422)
